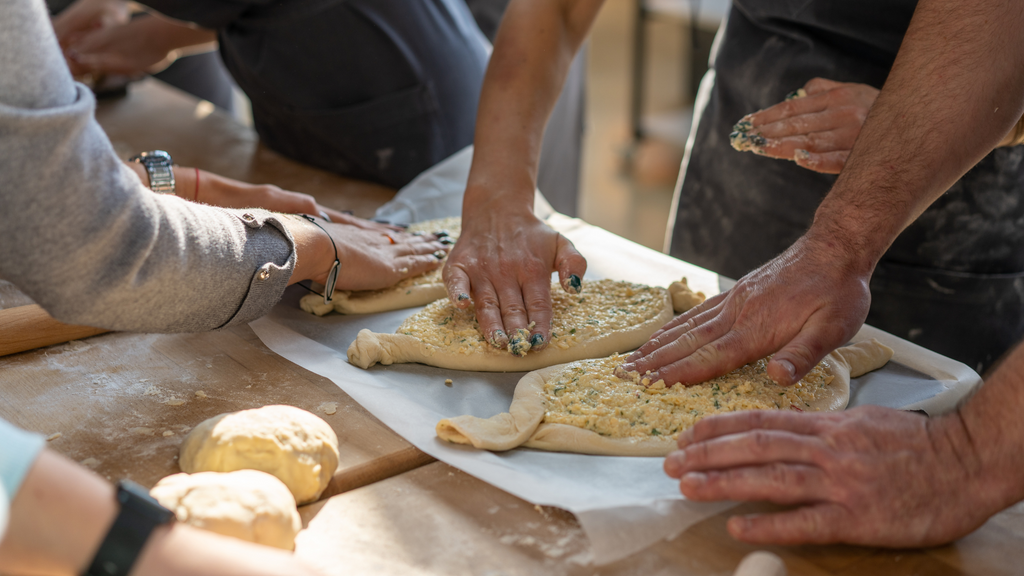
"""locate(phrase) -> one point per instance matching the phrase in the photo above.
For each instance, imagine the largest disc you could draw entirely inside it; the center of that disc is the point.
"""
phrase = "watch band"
(140, 514)
(160, 167)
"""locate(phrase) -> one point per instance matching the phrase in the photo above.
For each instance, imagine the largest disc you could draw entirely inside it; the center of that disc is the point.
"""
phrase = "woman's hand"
(146, 44)
(503, 261)
(229, 193)
(371, 260)
(85, 16)
(817, 131)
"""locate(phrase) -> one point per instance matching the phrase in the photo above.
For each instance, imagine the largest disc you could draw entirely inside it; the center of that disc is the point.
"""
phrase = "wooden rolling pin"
(29, 327)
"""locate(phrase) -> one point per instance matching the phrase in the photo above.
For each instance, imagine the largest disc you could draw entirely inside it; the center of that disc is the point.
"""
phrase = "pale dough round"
(523, 424)
(246, 504)
(297, 447)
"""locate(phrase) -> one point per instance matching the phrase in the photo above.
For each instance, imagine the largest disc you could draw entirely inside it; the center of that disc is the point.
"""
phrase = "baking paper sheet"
(623, 504)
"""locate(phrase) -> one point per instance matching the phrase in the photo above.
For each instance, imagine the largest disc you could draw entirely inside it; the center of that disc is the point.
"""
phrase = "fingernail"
(441, 234)
(622, 372)
(440, 254)
(447, 241)
(537, 340)
(417, 233)
(383, 221)
(575, 283)
(463, 296)
(789, 368)
(499, 339)
(350, 213)
(695, 478)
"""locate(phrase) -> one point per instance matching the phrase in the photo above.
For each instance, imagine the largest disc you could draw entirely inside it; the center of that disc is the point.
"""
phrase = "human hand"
(86, 16)
(870, 476)
(818, 130)
(226, 192)
(371, 260)
(503, 261)
(146, 44)
(801, 305)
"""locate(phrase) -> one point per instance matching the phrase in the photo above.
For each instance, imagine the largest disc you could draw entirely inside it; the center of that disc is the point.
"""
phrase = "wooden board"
(122, 403)
(437, 520)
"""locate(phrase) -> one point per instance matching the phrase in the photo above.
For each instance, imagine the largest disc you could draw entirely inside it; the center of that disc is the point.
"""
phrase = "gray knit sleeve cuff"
(271, 278)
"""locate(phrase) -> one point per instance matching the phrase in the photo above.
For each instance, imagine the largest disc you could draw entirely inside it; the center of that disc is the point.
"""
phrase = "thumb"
(571, 265)
(804, 351)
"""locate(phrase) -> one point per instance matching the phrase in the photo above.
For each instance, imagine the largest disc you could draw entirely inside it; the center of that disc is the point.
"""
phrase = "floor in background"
(624, 188)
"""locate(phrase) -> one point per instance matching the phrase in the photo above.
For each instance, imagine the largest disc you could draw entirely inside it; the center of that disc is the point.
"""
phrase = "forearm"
(58, 519)
(989, 426)
(947, 102)
(532, 54)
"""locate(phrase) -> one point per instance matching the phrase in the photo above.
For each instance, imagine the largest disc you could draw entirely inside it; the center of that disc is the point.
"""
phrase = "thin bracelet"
(332, 276)
(196, 199)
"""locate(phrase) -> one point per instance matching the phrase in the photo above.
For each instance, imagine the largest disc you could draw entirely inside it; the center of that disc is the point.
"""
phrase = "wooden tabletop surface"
(121, 403)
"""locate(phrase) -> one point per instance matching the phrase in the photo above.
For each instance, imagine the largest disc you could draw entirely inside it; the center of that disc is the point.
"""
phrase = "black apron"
(378, 90)
(952, 282)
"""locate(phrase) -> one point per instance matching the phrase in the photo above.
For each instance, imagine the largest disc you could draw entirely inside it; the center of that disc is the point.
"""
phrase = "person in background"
(86, 240)
(99, 39)
(373, 90)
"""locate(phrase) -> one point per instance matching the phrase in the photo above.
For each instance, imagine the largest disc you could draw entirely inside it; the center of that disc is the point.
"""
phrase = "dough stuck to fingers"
(583, 407)
(609, 316)
(416, 291)
(683, 298)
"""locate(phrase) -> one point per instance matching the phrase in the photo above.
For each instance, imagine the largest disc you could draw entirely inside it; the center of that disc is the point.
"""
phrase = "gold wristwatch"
(159, 166)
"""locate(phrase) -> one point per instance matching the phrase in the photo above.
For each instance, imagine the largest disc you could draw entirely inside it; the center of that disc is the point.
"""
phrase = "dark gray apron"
(378, 90)
(952, 282)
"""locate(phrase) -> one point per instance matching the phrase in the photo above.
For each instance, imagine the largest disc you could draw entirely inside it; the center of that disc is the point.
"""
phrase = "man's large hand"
(871, 476)
(503, 261)
(818, 130)
(803, 304)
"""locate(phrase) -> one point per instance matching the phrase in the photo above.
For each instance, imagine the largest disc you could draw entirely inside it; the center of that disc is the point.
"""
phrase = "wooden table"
(121, 403)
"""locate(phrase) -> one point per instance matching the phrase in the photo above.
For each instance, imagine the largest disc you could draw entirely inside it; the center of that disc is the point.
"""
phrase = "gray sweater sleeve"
(85, 239)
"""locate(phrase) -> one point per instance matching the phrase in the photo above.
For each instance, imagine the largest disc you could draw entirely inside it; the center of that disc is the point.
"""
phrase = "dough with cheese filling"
(583, 407)
(608, 316)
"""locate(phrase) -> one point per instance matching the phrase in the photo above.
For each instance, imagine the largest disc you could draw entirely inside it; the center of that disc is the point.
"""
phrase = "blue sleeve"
(18, 451)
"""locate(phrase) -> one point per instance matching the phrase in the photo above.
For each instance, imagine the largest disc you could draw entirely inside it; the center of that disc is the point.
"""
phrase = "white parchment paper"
(623, 504)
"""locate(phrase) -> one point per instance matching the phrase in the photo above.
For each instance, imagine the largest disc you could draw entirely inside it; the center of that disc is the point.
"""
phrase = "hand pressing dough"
(415, 291)
(246, 504)
(583, 407)
(297, 447)
(608, 316)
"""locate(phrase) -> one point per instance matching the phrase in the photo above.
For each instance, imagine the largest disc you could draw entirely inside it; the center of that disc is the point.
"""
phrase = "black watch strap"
(140, 514)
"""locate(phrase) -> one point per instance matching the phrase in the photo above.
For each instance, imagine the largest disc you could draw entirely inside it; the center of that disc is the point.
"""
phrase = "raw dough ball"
(684, 298)
(290, 443)
(247, 504)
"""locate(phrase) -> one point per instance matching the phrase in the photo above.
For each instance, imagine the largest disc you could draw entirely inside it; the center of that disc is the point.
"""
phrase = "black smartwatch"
(140, 514)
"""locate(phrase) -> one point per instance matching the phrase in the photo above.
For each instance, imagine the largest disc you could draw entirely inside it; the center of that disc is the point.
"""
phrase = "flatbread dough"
(609, 316)
(582, 407)
(416, 291)
(292, 444)
(246, 504)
